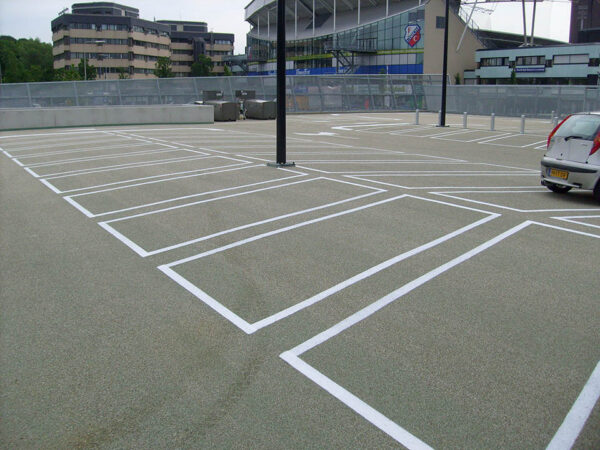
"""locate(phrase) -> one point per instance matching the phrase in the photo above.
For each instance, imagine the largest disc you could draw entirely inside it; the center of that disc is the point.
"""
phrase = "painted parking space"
(508, 369)
(165, 229)
(108, 162)
(419, 165)
(184, 188)
(113, 150)
(586, 220)
(523, 201)
(230, 289)
(448, 180)
(109, 177)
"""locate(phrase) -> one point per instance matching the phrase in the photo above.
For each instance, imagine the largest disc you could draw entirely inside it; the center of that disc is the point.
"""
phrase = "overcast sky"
(31, 18)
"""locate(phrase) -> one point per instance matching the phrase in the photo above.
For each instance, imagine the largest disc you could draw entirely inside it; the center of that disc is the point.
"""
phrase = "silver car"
(572, 158)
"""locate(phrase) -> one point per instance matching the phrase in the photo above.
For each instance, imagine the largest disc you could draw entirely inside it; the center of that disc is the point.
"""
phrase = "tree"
(71, 74)
(87, 73)
(227, 71)
(163, 68)
(123, 73)
(25, 60)
(203, 67)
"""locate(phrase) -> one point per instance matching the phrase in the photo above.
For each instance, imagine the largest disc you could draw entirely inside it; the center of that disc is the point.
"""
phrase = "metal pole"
(445, 67)
(281, 104)
(524, 24)
(523, 124)
(465, 119)
(417, 117)
(532, 23)
(493, 122)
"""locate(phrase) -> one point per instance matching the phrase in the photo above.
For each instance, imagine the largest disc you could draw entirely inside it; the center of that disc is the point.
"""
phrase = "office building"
(553, 64)
(190, 39)
(112, 38)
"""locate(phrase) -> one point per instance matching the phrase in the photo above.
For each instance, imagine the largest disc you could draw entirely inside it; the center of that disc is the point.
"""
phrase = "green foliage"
(203, 67)
(71, 74)
(89, 73)
(227, 71)
(123, 73)
(457, 78)
(513, 77)
(25, 60)
(163, 68)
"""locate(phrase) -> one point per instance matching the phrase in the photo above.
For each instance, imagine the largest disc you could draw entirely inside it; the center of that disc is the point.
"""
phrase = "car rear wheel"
(597, 191)
(559, 189)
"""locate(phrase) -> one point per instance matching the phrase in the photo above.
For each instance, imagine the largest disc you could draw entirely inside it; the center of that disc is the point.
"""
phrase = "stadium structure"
(360, 37)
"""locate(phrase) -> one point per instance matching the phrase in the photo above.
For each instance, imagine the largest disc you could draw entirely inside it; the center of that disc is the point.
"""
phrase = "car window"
(580, 126)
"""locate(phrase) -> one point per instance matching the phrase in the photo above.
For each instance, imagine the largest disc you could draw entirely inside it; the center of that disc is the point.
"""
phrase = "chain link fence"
(316, 93)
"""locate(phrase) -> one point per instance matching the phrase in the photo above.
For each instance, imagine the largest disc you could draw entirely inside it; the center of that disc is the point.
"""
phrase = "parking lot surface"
(402, 285)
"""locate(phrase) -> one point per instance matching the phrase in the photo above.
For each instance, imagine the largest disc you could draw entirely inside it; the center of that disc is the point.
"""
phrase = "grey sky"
(31, 18)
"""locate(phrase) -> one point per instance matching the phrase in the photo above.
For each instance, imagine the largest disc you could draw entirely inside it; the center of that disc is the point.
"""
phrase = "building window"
(494, 62)
(571, 59)
(440, 22)
(531, 61)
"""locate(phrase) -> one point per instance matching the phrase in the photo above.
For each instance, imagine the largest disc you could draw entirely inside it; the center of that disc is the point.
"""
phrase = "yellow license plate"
(559, 174)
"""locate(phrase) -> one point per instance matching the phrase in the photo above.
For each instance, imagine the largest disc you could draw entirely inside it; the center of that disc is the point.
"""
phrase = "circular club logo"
(412, 34)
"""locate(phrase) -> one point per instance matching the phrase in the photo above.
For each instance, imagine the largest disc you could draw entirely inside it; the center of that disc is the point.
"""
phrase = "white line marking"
(570, 219)
(149, 177)
(571, 427)
(330, 291)
(452, 194)
(356, 404)
(144, 253)
(117, 166)
(88, 213)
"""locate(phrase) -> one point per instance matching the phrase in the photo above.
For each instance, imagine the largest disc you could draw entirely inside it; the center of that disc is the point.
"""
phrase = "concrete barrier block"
(23, 118)
(260, 109)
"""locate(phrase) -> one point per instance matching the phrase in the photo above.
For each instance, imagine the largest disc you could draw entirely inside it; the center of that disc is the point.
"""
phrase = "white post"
(417, 117)
(523, 124)
(465, 119)
(387, 8)
(493, 122)
(359, 12)
(296, 19)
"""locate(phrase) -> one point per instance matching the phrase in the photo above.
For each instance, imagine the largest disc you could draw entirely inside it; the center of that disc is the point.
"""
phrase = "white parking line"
(567, 433)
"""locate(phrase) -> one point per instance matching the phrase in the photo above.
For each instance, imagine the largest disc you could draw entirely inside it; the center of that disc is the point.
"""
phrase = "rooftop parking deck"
(402, 284)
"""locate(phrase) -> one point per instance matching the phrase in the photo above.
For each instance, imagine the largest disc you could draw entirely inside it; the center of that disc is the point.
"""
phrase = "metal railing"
(316, 93)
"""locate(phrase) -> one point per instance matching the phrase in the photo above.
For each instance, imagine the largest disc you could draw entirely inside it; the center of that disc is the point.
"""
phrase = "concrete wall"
(11, 119)
(458, 61)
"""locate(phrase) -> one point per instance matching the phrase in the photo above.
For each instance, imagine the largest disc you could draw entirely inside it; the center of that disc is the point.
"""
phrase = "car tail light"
(596, 145)
(551, 135)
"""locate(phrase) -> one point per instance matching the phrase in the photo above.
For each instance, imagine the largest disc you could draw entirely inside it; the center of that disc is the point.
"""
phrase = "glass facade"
(381, 46)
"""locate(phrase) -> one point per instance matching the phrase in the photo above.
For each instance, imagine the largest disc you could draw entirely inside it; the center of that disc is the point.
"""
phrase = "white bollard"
(465, 119)
(417, 117)
(552, 115)
(554, 121)
(493, 122)
(439, 117)
(523, 124)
